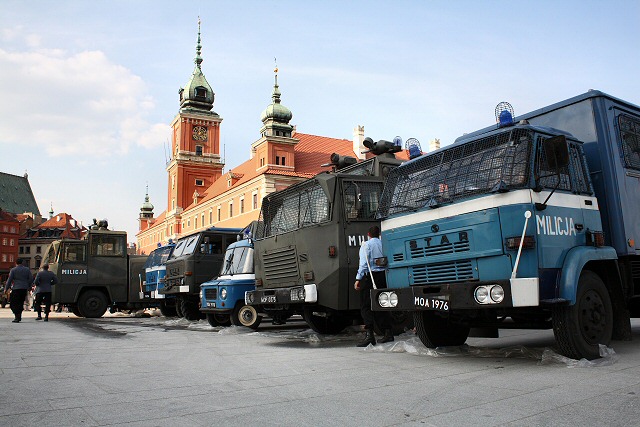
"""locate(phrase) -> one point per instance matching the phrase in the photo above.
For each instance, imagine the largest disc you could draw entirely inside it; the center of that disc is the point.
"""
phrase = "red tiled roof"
(61, 221)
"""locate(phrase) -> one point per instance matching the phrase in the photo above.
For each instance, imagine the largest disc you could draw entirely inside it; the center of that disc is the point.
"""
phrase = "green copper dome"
(276, 111)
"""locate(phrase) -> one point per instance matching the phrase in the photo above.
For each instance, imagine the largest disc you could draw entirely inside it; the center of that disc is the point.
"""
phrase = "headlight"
(297, 294)
(248, 297)
(393, 299)
(223, 293)
(481, 295)
(497, 293)
(383, 299)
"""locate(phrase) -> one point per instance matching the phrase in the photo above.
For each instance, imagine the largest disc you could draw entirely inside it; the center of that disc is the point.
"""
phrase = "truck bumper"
(216, 310)
(459, 296)
(290, 295)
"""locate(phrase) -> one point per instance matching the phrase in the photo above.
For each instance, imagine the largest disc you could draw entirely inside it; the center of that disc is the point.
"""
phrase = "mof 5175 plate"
(425, 303)
(268, 298)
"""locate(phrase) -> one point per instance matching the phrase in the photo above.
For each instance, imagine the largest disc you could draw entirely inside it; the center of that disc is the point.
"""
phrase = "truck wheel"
(167, 310)
(190, 309)
(245, 315)
(579, 328)
(92, 304)
(400, 321)
(76, 311)
(218, 319)
(329, 324)
(436, 331)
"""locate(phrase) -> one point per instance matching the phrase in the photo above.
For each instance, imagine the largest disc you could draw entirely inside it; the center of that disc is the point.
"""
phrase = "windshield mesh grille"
(495, 163)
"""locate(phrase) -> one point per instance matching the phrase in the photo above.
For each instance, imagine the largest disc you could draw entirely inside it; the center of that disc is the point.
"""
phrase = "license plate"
(211, 304)
(268, 299)
(431, 303)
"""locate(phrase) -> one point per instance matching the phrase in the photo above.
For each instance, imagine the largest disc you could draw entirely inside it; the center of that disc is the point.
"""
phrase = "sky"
(88, 89)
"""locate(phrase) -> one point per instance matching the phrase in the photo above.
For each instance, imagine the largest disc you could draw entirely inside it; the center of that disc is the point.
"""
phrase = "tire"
(330, 325)
(167, 310)
(218, 319)
(245, 315)
(580, 328)
(436, 331)
(190, 310)
(74, 310)
(92, 304)
(179, 312)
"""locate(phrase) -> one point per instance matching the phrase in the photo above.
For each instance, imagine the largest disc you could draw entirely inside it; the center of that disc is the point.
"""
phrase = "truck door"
(628, 129)
(72, 271)
(360, 202)
(107, 264)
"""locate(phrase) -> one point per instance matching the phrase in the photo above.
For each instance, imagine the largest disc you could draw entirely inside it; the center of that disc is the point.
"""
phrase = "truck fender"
(573, 265)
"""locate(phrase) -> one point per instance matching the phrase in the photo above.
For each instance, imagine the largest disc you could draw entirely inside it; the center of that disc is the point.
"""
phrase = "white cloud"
(74, 103)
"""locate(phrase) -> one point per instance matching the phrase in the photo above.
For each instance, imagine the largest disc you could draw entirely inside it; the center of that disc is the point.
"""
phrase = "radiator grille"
(280, 265)
(211, 293)
(443, 249)
(443, 272)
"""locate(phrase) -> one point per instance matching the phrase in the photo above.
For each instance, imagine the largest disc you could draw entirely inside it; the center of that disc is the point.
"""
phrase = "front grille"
(211, 293)
(442, 249)
(455, 271)
(281, 264)
(398, 257)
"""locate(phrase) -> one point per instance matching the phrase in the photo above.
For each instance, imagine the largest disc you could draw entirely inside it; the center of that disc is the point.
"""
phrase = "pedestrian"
(44, 280)
(19, 281)
(370, 270)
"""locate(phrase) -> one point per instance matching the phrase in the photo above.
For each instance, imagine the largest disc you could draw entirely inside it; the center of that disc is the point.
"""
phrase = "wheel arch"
(598, 260)
(103, 289)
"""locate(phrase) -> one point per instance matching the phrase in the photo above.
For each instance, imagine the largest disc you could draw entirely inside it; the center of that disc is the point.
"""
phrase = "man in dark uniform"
(19, 281)
(44, 280)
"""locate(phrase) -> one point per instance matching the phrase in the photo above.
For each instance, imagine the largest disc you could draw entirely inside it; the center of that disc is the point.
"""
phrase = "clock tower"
(195, 144)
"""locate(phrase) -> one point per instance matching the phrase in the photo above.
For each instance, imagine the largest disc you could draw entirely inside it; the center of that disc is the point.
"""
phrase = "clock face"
(200, 133)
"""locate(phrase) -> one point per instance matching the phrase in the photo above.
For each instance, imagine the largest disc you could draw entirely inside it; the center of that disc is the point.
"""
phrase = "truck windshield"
(185, 246)
(299, 207)
(238, 261)
(498, 162)
(158, 257)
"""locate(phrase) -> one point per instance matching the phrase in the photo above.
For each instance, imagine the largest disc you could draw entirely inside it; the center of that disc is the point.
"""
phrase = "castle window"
(230, 209)
(198, 150)
(283, 161)
(218, 213)
(242, 205)
(277, 160)
(199, 182)
(255, 201)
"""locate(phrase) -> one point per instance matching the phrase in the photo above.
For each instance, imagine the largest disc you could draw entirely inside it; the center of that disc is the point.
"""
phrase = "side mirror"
(556, 151)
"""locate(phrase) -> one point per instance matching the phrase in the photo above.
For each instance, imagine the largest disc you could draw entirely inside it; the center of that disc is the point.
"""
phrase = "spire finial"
(275, 95)
(146, 196)
(198, 59)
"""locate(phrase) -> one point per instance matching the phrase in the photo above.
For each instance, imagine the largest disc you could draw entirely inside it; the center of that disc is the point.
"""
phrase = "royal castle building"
(200, 195)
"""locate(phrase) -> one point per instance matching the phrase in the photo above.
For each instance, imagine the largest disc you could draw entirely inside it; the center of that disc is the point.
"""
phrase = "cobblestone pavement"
(154, 371)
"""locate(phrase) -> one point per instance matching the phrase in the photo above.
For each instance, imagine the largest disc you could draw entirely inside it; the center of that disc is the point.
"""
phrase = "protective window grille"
(573, 177)
(361, 200)
(294, 208)
(364, 168)
(629, 128)
(495, 163)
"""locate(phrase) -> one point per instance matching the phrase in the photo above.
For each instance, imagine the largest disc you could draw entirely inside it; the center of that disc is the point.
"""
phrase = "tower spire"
(198, 58)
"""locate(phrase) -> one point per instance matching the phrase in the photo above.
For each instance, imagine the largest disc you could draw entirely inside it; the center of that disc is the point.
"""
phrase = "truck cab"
(528, 224)
(155, 272)
(308, 239)
(95, 273)
(195, 259)
(222, 299)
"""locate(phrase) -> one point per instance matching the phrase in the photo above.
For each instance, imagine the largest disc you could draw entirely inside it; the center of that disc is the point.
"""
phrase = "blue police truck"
(155, 272)
(529, 223)
(222, 299)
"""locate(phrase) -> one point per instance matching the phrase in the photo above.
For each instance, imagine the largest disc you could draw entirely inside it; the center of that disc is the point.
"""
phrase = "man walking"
(19, 281)
(44, 280)
(368, 272)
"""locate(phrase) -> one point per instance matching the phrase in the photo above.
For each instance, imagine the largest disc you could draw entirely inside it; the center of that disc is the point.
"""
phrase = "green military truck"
(96, 273)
